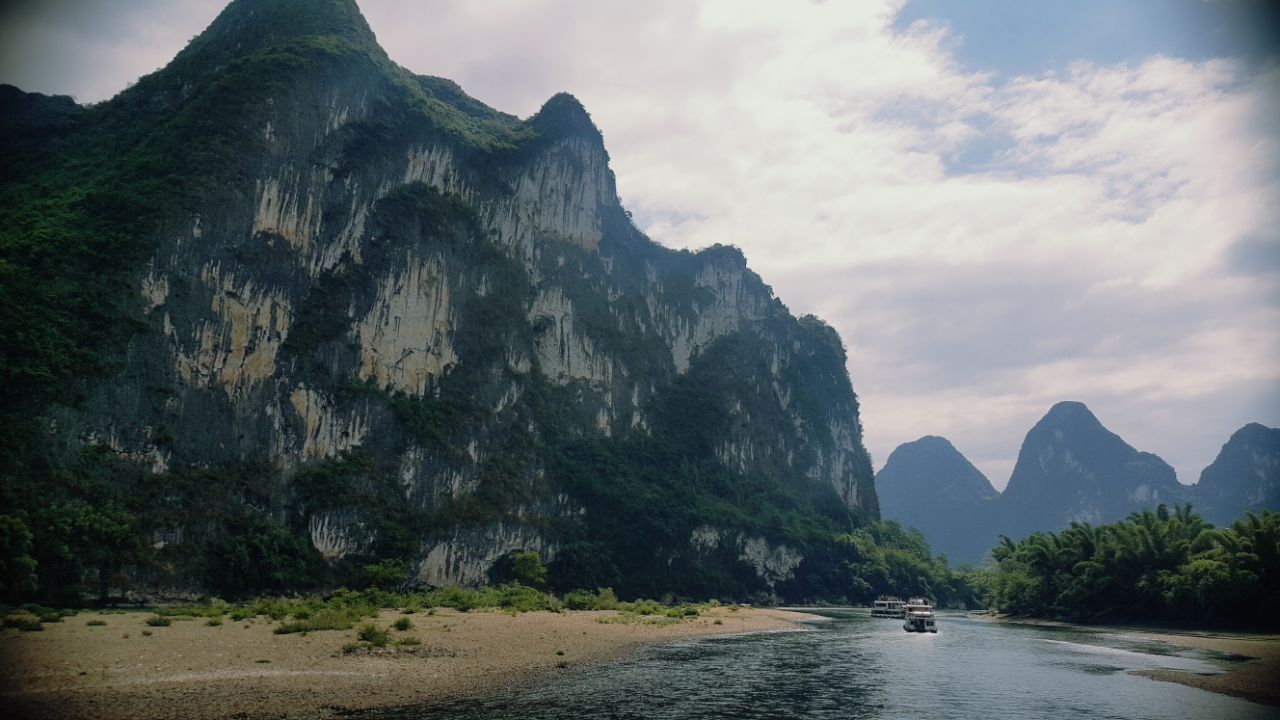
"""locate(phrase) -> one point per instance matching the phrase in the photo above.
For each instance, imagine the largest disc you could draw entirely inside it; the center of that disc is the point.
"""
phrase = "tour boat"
(887, 606)
(917, 616)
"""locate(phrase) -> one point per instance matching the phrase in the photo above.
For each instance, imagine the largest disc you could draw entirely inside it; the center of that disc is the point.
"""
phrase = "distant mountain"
(929, 485)
(1072, 469)
(1245, 477)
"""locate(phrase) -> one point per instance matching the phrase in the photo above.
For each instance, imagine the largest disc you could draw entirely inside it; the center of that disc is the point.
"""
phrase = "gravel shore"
(126, 669)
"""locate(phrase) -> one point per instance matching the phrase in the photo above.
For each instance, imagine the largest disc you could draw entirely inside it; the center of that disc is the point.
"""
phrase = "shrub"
(371, 634)
(159, 621)
(525, 599)
(644, 607)
(580, 600)
(274, 608)
(600, 600)
(24, 622)
(96, 623)
(193, 611)
(452, 596)
(329, 618)
(47, 614)
(403, 624)
(213, 622)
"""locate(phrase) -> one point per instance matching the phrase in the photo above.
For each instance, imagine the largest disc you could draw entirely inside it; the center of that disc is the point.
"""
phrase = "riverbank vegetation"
(1163, 566)
(343, 609)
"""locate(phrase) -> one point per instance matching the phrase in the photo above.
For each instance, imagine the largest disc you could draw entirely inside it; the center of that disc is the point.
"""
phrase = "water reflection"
(858, 667)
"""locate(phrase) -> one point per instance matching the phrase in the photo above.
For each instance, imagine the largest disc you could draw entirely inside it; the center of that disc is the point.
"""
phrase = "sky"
(998, 204)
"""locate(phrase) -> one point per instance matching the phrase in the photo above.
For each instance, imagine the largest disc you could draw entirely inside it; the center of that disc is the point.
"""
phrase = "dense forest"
(89, 538)
(1162, 566)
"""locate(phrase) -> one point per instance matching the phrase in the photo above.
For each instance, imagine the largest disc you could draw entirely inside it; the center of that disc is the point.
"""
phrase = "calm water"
(854, 666)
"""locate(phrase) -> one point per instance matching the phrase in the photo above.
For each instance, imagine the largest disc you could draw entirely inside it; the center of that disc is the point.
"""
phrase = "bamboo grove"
(1161, 566)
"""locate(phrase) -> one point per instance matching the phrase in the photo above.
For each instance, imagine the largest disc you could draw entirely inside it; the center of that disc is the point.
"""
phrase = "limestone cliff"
(428, 330)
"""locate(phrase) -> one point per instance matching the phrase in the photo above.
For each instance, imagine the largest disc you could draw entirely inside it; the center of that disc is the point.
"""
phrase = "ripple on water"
(855, 667)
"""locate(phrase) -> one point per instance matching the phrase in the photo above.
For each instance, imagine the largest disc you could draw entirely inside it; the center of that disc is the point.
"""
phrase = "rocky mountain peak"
(563, 115)
(1245, 477)
(246, 26)
(929, 485)
(1070, 413)
(1072, 468)
(931, 465)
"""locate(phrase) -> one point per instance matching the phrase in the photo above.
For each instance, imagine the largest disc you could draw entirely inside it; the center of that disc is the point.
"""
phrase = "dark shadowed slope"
(929, 485)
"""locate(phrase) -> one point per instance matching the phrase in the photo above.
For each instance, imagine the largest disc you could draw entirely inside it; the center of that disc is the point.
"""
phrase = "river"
(853, 666)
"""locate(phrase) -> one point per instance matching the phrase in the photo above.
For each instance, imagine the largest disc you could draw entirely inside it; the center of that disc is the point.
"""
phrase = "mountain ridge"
(356, 315)
(1072, 469)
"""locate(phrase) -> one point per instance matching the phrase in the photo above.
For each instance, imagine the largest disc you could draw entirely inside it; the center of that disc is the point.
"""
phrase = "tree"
(384, 575)
(17, 567)
(527, 569)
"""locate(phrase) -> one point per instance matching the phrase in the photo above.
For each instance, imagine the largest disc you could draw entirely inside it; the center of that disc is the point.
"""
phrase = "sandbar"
(126, 669)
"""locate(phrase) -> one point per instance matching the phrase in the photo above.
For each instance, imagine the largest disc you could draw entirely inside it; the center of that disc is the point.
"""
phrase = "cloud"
(987, 243)
(90, 49)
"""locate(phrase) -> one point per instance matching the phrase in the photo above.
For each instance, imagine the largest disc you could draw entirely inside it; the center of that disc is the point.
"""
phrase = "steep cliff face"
(1245, 477)
(1072, 469)
(429, 331)
(930, 486)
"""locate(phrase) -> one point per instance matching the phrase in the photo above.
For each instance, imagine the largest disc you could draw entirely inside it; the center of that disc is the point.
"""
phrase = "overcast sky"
(999, 204)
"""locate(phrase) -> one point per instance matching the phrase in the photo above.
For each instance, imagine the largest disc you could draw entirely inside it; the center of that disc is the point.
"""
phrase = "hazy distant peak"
(933, 441)
(1254, 431)
(932, 465)
(1252, 454)
(929, 485)
(1070, 412)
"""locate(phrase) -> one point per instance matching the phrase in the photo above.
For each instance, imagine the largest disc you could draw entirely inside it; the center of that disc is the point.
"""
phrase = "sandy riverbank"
(243, 670)
(1252, 661)
(1253, 670)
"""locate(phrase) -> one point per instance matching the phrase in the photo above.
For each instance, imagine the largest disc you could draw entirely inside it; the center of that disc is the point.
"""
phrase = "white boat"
(886, 606)
(917, 616)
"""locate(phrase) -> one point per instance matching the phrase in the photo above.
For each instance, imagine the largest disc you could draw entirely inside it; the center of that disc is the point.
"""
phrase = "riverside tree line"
(1161, 566)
